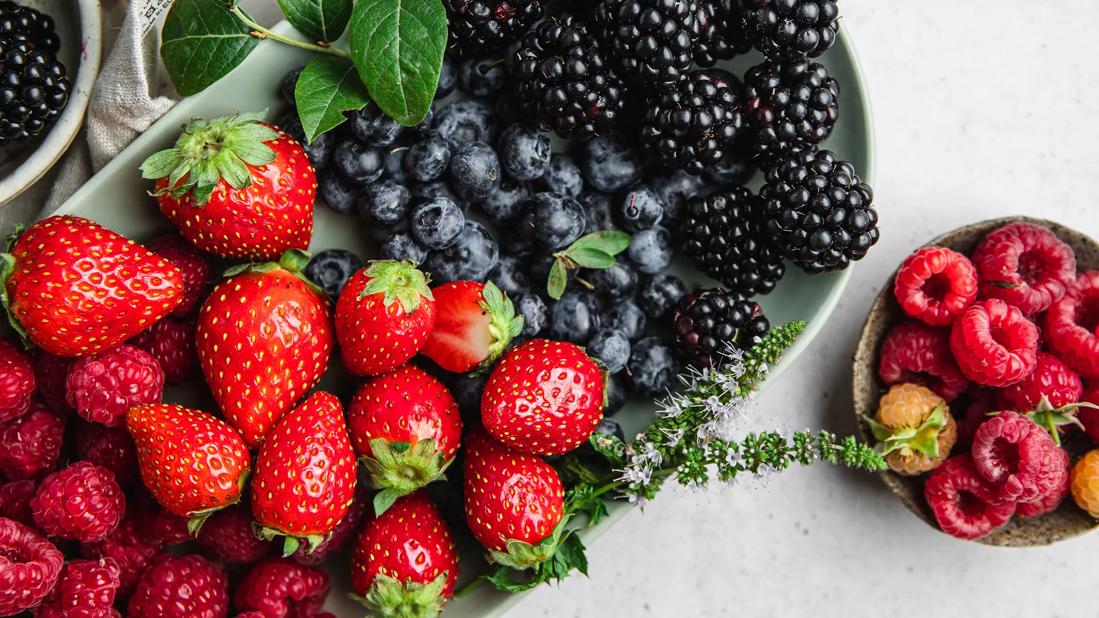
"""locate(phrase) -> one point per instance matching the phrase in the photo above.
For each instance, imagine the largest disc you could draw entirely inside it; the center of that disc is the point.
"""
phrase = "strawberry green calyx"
(522, 555)
(389, 597)
(196, 519)
(209, 151)
(291, 543)
(1050, 418)
(924, 439)
(398, 469)
(503, 325)
(7, 267)
(292, 261)
(397, 281)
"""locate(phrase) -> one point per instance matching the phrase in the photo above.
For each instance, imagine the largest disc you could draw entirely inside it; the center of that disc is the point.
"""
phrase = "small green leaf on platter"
(612, 242)
(589, 257)
(558, 280)
(201, 42)
(320, 20)
(327, 88)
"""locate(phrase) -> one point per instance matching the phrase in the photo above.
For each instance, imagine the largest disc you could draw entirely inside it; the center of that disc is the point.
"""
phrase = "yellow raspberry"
(1085, 483)
(912, 423)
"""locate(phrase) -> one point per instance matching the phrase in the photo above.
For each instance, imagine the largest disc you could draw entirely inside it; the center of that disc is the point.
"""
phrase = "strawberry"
(263, 338)
(544, 398)
(405, 425)
(474, 323)
(305, 474)
(75, 288)
(191, 462)
(405, 562)
(383, 317)
(236, 187)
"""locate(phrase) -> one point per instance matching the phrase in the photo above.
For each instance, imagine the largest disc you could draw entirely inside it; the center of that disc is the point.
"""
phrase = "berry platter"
(118, 199)
(1067, 520)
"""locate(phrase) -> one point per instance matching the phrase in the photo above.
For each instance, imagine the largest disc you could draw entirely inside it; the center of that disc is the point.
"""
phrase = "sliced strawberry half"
(474, 322)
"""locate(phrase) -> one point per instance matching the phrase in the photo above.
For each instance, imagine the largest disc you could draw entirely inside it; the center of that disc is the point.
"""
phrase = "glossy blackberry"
(27, 24)
(723, 235)
(722, 32)
(788, 105)
(652, 41)
(562, 79)
(818, 210)
(34, 87)
(792, 28)
(707, 322)
(478, 26)
(692, 123)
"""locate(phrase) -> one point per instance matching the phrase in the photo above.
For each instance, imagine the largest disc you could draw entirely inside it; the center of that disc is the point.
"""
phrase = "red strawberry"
(75, 288)
(383, 317)
(474, 323)
(264, 338)
(514, 502)
(544, 398)
(191, 462)
(193, 266)
(405, 562)
(406, 427)
(305, 474)
(236, 187)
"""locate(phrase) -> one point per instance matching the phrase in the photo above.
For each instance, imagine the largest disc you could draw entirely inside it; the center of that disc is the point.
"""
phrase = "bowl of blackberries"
(49, 57)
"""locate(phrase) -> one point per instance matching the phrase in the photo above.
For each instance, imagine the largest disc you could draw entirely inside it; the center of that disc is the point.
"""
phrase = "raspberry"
(50, 372)
(964, 504)
(994, 344)
(131, 551)
(915, 352)
(981, 402)
(17, 381)
(172, 344)
(81, 502)
(1051, 501)
(31, 444)
(108, 447)
(227, 536)
(282, 588)
(1051, 379)
(934, 285)
(86, 589)
(1089, 417)
(157, 524)
(29, 567)
(907, 407)
(342, 534)
(192, 264)
(1024, 265)
(180, 587)
(104, 387)
(15, 500)
(1072, 324)
(1017, 457)
(1085, 483)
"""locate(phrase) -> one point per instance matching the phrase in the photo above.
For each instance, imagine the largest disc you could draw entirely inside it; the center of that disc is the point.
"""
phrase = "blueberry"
(509, 276)
(502, 206)
(357, 162)
(337, 193)
(384, 202)
(640, 209)
(615, 283)
(516, 245)
(659, 294)
(598, 211)
(550, 220)
(471, 258)
(428, 158)
(474, 171)
(437, 223)
(524, 152)
(534, 312)
(616, 394)
(467, 390)
(574, 317)
(432, 190)
(402, 246)
(289, 83)
(611, 348)
(652, 368)
(380, 232)
(562, 177)
(734, 168)
(627, 318)
(372, 127)
(651, 250)
(318, 151)
(482, 77)
(538, 267)
(609, 166)
(610, 427)
(393, 163)
(507, 108)
(675, 191)
(426, 123)
(448, 76)
(330, 269)
(466, 121)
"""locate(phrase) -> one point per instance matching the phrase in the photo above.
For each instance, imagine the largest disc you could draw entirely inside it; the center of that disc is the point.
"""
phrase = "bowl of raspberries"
(976, 374)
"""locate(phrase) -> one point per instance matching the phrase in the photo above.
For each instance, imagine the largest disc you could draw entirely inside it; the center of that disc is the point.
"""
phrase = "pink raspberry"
(915, 352)
(982, 401)
(1050, 502)
(228, 536)
(31, 444)
(1017, 456)
(1072, 326)
(963, 503)
(281, 588)
(109, 447)
(29, 567)
(343, 532)
(192, 264)
(172, 344)
(994, 344)
(1051, 379)
(86, 590)
(15, 500)
(17, 382)
(1024, 265)
(935, 284)
(50, 372)
(104, 387)
(131, 551)
(81, 502)
(180, 587)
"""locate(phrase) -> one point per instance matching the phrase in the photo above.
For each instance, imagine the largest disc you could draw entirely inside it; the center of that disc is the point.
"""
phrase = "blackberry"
(723, 32)
(818, 210)
(789, 105)
(792, 29)
(690, 124)
(34, 86)
(27, 24)
(653, 41)
(478, 26)
(707, 322)
(723, 235)
(562, 79)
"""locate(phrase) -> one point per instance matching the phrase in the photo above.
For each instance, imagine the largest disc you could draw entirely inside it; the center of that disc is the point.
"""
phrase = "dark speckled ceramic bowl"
(1066, 522)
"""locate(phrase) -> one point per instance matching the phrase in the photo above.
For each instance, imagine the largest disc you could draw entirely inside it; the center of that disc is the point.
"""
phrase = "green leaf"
(588, 257)
(320, 20)
(202, 41)
(612, 242)
(326, 89)
(397, 46)
(557, 281)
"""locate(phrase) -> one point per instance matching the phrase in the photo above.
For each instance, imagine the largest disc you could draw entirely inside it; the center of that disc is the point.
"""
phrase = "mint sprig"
(594, 251)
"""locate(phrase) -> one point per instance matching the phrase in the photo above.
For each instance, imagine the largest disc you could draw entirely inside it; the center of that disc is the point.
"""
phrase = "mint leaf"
(320, 20)
(397, 46)
(202, 41)
(326, 89)
(558, 280)
(608, 241)
(587, 257)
